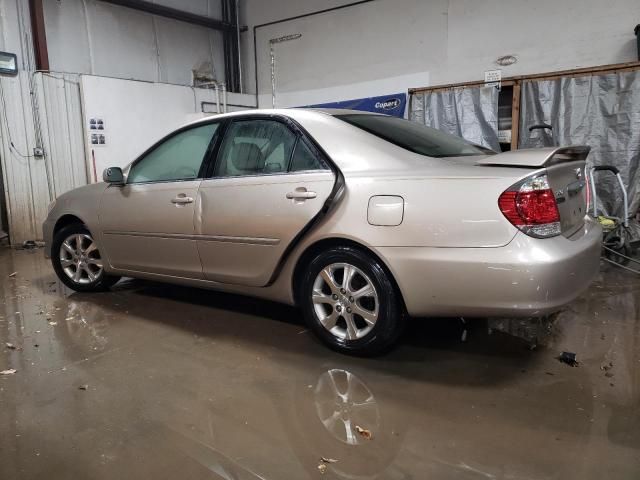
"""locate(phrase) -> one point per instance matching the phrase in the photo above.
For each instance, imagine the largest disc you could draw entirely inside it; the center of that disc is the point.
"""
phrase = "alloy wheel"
(345, 301)
(80, 258)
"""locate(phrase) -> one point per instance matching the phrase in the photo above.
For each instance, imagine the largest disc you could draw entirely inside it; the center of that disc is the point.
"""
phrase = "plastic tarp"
(470, 113)
(601, 111)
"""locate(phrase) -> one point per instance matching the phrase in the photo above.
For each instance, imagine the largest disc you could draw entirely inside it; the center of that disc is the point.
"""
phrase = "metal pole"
(239, 51)
(224, 97)
(273, 76)
(272, 53)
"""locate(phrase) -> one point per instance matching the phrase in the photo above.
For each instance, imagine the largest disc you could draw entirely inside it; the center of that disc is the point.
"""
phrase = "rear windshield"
(414, 137)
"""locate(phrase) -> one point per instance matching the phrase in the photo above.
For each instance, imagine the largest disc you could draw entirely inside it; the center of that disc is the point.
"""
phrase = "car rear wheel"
(77, 261)
(350, 302)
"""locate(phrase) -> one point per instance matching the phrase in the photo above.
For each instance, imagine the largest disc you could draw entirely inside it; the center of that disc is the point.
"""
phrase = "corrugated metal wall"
(51, 118)
(59, 111)
(24, 181)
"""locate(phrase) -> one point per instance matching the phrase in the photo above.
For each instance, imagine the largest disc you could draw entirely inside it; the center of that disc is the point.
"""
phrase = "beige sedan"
(361, 220)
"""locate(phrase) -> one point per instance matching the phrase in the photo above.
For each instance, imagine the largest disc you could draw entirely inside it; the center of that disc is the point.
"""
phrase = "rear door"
(269, 182)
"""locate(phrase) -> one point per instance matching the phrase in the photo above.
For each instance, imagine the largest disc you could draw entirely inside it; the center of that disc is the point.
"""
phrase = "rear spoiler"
(537, 157)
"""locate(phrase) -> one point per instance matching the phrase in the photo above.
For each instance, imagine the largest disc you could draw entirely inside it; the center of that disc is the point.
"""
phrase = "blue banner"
(394, 104)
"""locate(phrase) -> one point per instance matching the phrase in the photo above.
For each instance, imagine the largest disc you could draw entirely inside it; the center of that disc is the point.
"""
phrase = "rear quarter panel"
(439, 211)
(448, 202)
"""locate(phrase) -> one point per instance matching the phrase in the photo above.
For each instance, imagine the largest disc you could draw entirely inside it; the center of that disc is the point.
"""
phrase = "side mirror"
(113, 176)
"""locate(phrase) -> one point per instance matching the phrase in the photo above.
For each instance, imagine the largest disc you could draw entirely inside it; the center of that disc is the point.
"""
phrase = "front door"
(148, 224)
(268, 184)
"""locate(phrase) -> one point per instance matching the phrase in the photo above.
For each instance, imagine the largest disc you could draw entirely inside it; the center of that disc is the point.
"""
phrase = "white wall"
(387, 46)
(92, 37)
(137, 114)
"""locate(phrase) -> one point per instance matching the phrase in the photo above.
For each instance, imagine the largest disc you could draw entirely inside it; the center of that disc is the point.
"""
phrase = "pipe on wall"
(174, 13)
(231, 46)
(240, 79)
(39, 35)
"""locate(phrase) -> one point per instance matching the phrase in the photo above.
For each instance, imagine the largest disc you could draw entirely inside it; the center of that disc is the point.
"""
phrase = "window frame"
(207, 158)
(293, 127)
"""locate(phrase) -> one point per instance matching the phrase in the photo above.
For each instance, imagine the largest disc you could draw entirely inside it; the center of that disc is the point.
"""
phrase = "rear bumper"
(527, 277)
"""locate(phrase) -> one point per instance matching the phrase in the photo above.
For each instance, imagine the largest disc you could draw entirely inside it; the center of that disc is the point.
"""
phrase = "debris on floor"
(606, 366)
(364, 432)
(11, 346)
(322, 466)
(10, 371)
(83, 387)
(569, 358)
(11, 275)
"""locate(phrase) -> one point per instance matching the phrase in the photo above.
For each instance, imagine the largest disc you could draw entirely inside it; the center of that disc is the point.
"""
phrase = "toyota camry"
(361, 220)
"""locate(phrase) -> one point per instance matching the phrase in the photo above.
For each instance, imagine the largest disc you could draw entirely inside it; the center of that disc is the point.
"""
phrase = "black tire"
(390, 321)
(102, 282)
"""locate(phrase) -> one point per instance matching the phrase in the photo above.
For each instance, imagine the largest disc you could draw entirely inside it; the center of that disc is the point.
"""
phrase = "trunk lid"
(567, 180)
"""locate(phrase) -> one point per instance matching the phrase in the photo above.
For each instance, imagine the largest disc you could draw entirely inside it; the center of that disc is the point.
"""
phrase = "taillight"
(531, 207)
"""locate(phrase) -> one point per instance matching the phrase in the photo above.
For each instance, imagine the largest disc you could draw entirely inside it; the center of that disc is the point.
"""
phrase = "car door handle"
(301, 194)
(182, 200)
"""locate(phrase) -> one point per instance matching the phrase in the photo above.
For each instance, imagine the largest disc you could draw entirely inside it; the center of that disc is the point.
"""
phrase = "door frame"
(301, 134)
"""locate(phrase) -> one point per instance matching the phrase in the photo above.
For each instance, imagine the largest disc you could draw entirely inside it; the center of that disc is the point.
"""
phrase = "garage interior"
(151, 380)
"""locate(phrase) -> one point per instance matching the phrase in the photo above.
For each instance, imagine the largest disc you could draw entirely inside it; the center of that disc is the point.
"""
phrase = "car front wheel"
(350, 302)
(77, 261)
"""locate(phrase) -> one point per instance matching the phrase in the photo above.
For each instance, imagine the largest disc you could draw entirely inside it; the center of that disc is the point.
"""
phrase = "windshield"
(414, 137)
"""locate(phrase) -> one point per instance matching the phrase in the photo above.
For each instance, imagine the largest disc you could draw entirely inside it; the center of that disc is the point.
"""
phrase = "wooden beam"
(577, 72)
(449, 86)
(515, 116)
(39, 35)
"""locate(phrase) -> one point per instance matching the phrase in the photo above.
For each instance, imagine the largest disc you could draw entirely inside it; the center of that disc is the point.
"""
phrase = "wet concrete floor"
(185, 383)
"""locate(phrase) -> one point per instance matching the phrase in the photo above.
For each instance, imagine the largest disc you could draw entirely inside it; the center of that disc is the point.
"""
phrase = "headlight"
(50, 207)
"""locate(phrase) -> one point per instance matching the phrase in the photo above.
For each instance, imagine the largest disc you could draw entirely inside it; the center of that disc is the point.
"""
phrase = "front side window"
(178, 158)
(414, 137)
(255, 147)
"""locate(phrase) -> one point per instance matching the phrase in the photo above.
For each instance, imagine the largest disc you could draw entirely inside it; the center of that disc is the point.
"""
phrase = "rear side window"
(414, 137)
(255, 147)
(177, 158)
(304, 159)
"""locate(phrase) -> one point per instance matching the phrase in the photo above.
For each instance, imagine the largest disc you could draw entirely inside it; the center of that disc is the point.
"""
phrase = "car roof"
(338, 111)
(289, 112)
